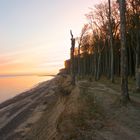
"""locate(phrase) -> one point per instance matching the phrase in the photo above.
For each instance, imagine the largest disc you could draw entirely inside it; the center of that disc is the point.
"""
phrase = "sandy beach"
(19, 113)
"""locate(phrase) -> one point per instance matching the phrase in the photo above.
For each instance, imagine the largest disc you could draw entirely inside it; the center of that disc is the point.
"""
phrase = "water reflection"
(11, 86)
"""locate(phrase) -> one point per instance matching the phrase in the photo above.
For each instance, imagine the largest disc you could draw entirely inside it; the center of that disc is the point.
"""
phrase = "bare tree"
(124, 67)
(72, 58)
(111, 42)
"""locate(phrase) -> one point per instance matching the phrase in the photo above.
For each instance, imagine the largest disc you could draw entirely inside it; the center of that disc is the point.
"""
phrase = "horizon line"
(26, 74)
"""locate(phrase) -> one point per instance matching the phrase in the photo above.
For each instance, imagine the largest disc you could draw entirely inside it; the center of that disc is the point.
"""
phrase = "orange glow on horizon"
(12, 86)
(26, 69)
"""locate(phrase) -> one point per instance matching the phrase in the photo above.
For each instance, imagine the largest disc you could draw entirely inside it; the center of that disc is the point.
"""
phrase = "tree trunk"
(79, 71)
(72, 58)
(98, 68)
(124, 67)
(130, 59)
(111, 45)
(137, 74)
(95, 65)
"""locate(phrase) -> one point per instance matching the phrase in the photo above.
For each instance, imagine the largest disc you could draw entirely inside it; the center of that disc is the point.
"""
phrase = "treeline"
(109, 44)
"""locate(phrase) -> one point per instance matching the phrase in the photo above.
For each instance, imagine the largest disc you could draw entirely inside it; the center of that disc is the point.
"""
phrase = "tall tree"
(124, 67)
(137, 73)
(72, 58)
(111, 42)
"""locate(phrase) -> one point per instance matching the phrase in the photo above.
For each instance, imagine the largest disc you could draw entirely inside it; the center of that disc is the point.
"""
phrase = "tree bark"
(124, 67)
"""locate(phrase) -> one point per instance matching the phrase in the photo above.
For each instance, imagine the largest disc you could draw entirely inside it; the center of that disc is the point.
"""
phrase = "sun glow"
(35, 34)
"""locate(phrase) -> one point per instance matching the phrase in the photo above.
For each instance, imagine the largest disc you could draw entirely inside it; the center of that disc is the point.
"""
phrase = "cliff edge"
(56, 110)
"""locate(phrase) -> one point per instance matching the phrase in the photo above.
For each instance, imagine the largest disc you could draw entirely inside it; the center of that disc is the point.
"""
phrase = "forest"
(108, 45)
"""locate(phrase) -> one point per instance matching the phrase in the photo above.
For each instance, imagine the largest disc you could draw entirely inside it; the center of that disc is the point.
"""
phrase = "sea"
(11, 86)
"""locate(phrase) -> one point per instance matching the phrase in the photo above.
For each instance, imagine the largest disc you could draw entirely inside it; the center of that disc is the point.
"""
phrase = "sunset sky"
(34, 34)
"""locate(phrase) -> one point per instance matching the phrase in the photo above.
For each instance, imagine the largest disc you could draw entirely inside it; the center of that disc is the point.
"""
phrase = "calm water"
(11, 86)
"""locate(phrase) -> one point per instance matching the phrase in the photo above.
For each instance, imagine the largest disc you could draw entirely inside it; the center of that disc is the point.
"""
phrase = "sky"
(34, 34)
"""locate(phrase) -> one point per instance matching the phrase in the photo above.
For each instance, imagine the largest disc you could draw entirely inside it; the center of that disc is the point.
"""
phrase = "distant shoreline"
(13, 85)
(18, 75)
